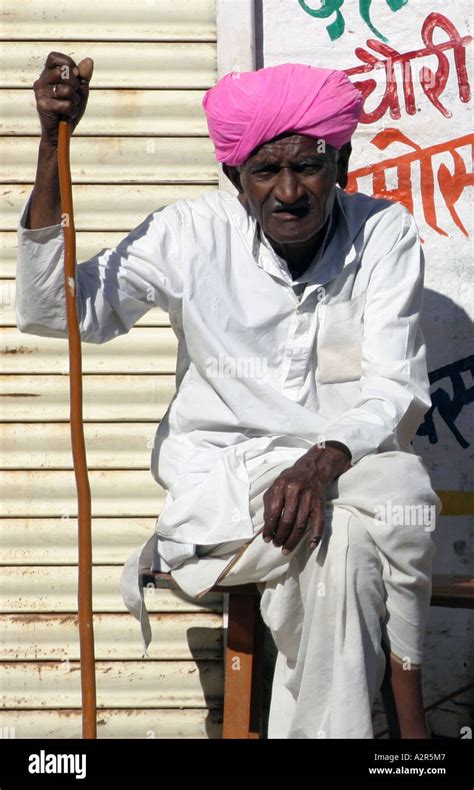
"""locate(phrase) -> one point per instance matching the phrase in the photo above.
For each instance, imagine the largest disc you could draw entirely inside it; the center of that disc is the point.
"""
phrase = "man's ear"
(343, 164)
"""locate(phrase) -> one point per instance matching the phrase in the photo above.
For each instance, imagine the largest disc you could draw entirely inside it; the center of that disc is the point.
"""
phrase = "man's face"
(289, 186)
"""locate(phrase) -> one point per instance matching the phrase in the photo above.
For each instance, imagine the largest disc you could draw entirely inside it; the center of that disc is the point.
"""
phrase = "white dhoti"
(331, 610)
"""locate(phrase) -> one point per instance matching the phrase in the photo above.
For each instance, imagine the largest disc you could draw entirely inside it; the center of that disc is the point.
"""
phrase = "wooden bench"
(454, 591)
(244, 652)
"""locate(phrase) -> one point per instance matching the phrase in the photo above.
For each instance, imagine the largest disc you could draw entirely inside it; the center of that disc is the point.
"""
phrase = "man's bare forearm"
(45, 206)
(61, 92)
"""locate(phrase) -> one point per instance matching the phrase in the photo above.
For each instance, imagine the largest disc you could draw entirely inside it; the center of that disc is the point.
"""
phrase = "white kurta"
(345, 362)
(260, 369)
(267, 367)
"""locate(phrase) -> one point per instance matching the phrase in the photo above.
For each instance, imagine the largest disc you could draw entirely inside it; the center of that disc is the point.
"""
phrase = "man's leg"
(324, 610)
(401, 693)
(391, 495)
(395, 501)
(405, 556)
(402, 697)
(325, 616)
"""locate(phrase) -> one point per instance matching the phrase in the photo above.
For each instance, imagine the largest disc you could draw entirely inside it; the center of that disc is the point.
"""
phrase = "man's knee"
(344, 530)
(395, 498)
(401, 479)
(350, 554)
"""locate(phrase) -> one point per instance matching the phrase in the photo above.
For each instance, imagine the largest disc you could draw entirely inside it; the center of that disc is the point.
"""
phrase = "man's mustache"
(300, 205)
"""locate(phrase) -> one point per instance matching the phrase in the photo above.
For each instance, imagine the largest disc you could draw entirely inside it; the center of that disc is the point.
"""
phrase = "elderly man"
(301, 380)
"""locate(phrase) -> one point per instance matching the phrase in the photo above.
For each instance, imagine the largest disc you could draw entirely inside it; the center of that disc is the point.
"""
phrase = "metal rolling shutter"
(141, 144)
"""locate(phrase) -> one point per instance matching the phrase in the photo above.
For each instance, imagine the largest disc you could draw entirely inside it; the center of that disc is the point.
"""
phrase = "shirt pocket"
(339, 345)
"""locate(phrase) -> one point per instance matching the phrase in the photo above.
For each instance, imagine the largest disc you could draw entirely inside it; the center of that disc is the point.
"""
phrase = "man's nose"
(288, 188)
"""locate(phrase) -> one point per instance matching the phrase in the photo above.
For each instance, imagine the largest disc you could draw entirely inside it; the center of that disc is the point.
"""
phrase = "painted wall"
(411, 59)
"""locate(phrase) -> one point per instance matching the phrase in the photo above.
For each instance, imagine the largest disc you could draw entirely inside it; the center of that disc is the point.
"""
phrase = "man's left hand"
(299, 494)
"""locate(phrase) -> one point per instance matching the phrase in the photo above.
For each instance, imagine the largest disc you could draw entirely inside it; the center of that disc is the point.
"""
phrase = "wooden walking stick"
(86, 629)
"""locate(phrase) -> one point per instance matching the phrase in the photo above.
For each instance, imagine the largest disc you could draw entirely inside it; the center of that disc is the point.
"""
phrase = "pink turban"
(246, 109)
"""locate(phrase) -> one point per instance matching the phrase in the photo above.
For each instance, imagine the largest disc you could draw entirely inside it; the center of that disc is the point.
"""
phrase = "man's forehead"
(291, 144)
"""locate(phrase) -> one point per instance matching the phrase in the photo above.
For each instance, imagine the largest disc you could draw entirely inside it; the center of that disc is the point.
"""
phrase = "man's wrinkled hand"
(299, 494)
(61, 91)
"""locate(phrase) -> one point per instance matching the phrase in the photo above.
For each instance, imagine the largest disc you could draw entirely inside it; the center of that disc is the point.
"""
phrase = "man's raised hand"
(61, 91)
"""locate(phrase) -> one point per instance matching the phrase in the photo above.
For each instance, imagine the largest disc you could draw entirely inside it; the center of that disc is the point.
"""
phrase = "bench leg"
(243, 668)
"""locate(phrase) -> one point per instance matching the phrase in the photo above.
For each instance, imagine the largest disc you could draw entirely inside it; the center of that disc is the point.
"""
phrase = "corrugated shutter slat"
(142, 144)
